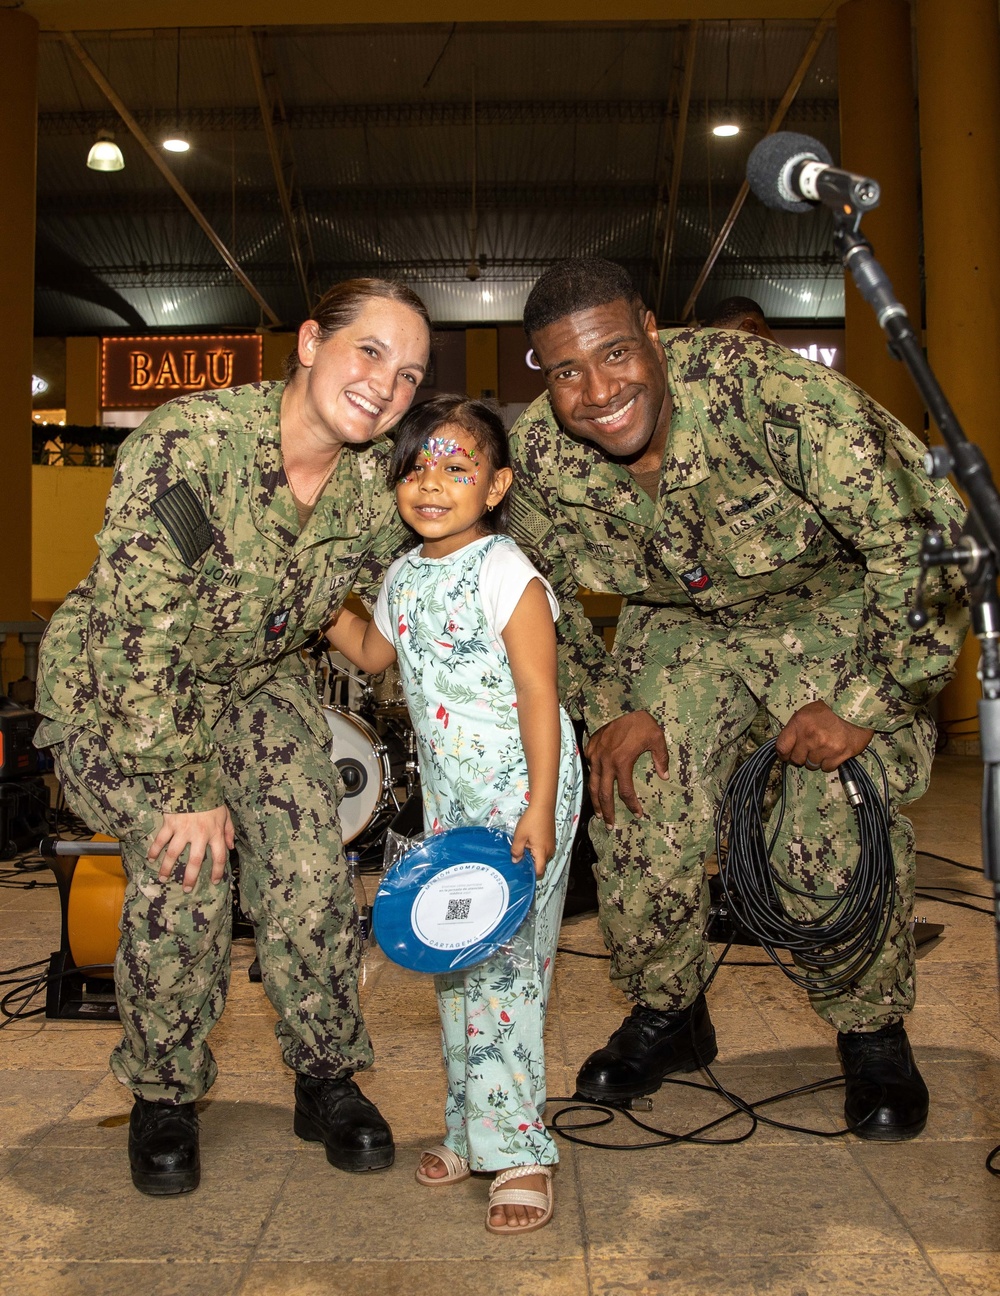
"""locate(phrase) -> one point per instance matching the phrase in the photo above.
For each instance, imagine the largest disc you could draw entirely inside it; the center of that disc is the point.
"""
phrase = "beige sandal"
(501, 1196)
(456, 1167)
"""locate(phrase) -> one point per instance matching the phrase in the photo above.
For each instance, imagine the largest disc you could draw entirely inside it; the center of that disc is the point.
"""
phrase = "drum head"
(361, 761)
(452, 901)
(94, 909)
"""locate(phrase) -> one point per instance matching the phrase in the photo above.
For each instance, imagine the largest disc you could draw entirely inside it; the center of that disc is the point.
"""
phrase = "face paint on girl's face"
(437, 448)
(449, 490)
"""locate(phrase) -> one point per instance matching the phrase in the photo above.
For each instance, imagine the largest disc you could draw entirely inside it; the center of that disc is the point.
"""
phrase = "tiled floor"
(785, 1213)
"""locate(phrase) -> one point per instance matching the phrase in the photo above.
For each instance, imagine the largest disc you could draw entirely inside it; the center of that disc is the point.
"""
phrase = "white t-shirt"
(504, 576)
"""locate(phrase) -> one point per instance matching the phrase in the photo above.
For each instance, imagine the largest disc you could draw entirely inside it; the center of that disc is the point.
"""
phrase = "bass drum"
(363, 763)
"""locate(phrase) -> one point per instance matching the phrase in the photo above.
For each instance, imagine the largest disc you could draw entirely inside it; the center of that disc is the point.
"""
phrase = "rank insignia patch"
(277, 625)
(784, 445)
(697, 579)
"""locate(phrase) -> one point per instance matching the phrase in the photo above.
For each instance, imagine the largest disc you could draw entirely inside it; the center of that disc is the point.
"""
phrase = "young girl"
(472, 624)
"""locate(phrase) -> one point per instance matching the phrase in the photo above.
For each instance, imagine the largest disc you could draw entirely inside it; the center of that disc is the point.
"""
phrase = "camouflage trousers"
(172, 967)
(717, 694)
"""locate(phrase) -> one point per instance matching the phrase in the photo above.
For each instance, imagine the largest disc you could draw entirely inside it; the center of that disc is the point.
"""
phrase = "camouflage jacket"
(203, 589)
(784, 488)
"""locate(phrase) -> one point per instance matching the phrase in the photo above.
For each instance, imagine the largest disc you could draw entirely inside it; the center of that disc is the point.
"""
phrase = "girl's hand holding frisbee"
(535, 832)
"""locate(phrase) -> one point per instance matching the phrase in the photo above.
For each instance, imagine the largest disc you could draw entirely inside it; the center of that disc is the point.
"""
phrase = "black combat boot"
(163, 1147)
(337, 1114)
(886, 1099)
(645, 1048)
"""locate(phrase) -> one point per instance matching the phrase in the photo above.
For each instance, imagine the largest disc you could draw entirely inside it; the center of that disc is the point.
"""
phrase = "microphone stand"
(976, 554)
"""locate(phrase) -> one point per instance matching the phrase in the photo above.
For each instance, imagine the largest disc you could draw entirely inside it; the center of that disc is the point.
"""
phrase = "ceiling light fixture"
(177, 141)
(105, 155)
(727, 126)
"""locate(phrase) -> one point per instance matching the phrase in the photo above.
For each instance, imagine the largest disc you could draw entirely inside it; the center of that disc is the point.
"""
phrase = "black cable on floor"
(957, 904)
(608, 1112)
(30, 987)
(946, 859)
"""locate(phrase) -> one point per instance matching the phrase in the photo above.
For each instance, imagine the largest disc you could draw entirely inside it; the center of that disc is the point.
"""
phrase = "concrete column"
(18, 112)
(958, 60)
(83, 381)
(878, 137)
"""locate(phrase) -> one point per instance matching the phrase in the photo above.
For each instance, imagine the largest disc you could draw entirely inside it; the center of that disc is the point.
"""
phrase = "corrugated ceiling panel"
(388, 185)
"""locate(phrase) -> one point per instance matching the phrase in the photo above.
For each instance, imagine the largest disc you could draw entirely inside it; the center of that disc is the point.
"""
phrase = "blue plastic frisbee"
(452, 901)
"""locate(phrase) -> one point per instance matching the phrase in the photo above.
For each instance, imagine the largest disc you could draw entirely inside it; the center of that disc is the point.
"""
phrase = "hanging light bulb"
(727, 126)
(105, 155)
(177, 141)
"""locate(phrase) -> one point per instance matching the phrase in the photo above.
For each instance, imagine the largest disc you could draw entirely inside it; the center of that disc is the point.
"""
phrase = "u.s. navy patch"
(784, 445)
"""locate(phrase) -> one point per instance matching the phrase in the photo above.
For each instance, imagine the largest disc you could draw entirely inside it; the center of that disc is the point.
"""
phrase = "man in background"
(741, 313)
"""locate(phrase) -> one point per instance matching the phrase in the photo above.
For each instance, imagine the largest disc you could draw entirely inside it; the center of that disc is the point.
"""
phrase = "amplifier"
(18, 755)
(24, 815)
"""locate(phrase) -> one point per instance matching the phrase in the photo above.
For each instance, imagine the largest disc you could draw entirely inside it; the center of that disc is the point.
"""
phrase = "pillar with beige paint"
(958, 61)
(878, 137)
(83, 381)
(18, 112)
(274, 351)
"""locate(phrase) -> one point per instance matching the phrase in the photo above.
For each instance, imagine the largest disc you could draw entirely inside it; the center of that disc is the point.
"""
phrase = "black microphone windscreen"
(768, 160)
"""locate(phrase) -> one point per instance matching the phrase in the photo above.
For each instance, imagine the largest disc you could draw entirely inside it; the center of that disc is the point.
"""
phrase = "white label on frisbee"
(460, 906)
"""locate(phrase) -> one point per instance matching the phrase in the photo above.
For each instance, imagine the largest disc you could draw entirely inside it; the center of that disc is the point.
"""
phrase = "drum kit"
(374, 749)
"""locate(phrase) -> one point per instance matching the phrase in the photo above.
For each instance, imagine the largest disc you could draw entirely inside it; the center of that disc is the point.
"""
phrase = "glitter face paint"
(437, 448)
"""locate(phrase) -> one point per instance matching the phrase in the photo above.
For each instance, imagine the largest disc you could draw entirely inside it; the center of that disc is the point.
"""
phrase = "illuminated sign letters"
(827, 355)
(143, 372)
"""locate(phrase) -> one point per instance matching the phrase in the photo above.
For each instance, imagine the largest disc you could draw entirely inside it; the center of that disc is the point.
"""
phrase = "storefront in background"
(141, 373)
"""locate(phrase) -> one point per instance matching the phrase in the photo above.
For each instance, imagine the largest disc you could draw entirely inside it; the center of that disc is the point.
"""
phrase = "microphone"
(793, 172)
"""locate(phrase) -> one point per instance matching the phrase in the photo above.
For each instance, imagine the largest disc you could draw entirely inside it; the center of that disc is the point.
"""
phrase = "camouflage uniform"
(171, 681)
(775, 568)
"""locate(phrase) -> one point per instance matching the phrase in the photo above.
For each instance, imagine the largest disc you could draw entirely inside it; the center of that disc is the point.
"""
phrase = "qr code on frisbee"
(458, 909)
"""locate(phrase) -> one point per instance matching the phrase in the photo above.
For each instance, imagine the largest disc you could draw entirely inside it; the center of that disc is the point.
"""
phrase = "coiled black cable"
(837, 947)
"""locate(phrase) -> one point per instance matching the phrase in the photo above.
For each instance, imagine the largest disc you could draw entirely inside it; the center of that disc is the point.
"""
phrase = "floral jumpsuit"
(460, 692)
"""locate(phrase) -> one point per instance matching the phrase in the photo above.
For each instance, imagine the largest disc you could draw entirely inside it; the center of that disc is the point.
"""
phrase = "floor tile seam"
(856, 1149)
(25, 1152)
(976, 1023)
(56, 1028)
(946, 1251)
(729, 1254)
(578, 1200)
(497, 1254)
(946, 1279)
(174, 1262)
(18, 1028)
(67, 1070)
(264, 1225)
